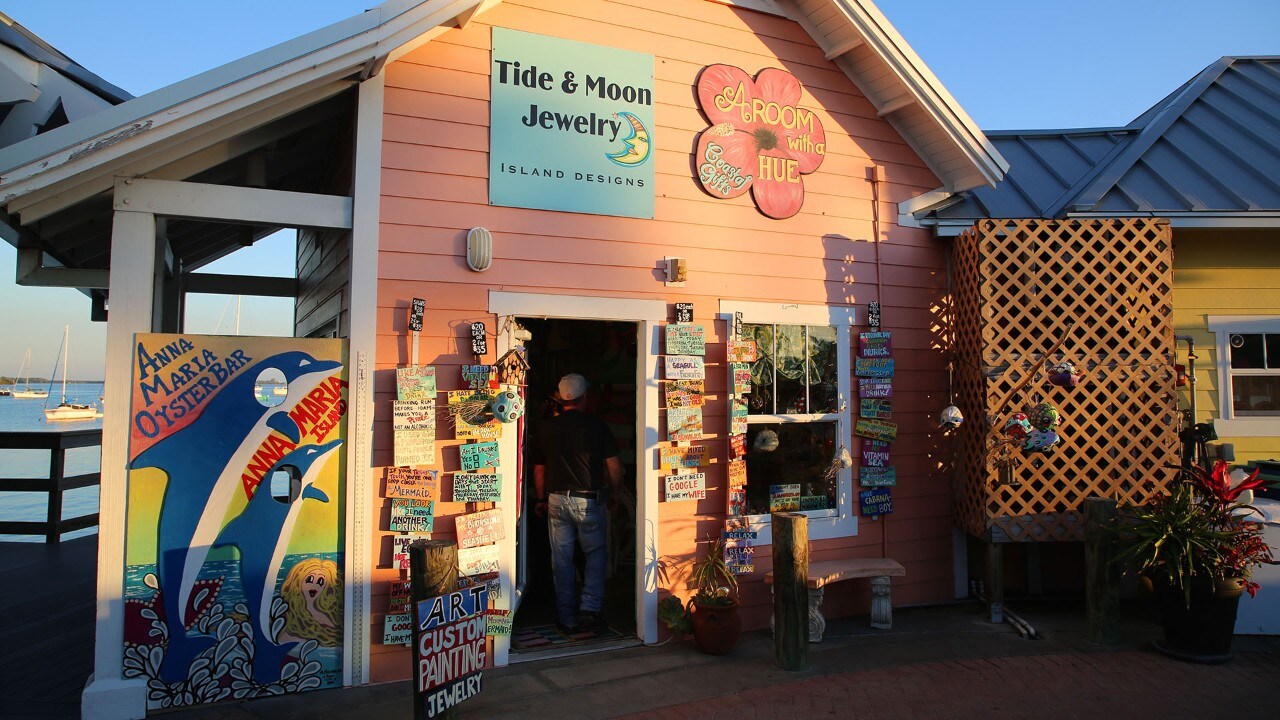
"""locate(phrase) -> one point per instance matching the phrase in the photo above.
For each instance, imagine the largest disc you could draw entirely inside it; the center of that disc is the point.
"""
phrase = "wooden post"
(57, 463)
(433, 571)
(790, 590)
(1102, 574)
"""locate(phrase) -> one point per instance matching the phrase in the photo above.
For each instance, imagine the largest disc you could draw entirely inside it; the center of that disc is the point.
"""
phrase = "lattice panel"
(1018, 283)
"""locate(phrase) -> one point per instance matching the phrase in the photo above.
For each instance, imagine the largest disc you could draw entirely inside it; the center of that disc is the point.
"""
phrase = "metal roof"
(15, 36)
(1212, 147)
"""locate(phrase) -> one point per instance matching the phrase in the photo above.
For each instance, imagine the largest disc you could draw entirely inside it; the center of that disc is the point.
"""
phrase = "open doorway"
(604, 352)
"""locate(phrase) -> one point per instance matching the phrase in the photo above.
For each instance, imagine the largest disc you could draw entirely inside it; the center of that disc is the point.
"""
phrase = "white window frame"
(1227, 424)
(843, 520)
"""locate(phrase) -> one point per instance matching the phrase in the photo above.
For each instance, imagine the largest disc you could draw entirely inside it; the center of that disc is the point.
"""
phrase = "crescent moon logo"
(635, 146)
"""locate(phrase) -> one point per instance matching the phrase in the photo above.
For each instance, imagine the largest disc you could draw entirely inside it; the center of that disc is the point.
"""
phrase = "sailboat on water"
(69, 410)
(26, 392)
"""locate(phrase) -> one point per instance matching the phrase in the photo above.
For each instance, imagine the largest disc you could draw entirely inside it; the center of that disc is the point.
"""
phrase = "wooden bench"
(827, 572)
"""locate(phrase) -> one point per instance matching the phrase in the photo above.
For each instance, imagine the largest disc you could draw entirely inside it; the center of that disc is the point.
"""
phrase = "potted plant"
(1199, 551)
(711, 614)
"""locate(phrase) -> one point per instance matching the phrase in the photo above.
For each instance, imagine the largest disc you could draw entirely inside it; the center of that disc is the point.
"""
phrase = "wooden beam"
(844, 47)
(895, 104)
(30, 271)
(215, 284)
(248, 206)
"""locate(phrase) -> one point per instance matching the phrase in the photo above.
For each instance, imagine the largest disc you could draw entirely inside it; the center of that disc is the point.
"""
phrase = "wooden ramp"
(46, 626)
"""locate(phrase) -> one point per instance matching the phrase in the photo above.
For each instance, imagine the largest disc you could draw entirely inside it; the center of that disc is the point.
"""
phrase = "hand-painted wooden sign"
(685, 340)
(485, 427)
(412, 515)
(481, 528)
(478, 560)
(737, 501)
(741, 378)
(417, 307)
(692, 486)
(739, 534)
(731, 157)
(413, 447)
(873, 314)
(684, 312)
(877, 408)
(783, 498)
(413, 415)
(479, 339)
(474, 456)
(682, 393)
(737, 473)
(738, 558)
(685, 367)
(874, 388)
(416, 382)
(450, 649)
(398, 599)
(477, 377)
(477, 487)
(737, 446)
(499, 621)
(738, 416)
(400, 552)
(684, 424)
(875, 502)
(875, 344)
(414, 484)
(875, 453)
(740, 351)
(813, 502)
(869, 476)
(397, 628)
(876, 429)
(873, 367)
(676, 458)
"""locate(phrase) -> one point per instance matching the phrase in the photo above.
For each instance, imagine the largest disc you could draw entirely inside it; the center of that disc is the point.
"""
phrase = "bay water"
(27, 415)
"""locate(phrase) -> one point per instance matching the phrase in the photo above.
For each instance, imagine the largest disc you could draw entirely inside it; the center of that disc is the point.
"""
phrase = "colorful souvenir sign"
(730, 156)
(738, 416)
(479, 339)
(398, 599)
(875, 453)
(741, 378)
(740, 351)
(413, 484)
(873, 367)
(417, 307)
(207, 533)
(397, 629)
(783, 498)
(685, 367)
(737, 446)
(738, 559)
(477, 487)
(737, 501)
(412, 515)
(876, 429)
(498, 621)
(416, 382)
(413, 415)
(684, 424)
(684, 312)
(570, 126)
(682, 393)
(814, 502)
(450, 648)
(737, 473)
(400, 551)
(876, 502)
(688, 456)
(869, 476)
(480, 528)
(474, 456)
(486, 427)
(875, 344)
(477, 376)
(414, 447)
(878, 408)
(740, 534)
(873, 314)
(478, 560)
(685, 340)
(875, 388)
(692, 486)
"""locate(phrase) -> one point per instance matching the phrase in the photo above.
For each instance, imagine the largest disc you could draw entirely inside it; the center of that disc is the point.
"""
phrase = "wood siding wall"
(1222, 273)
(434, 188)
(324, 287)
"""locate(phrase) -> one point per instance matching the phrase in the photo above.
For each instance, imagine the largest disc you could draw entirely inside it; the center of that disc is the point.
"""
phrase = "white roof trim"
(1196, 219)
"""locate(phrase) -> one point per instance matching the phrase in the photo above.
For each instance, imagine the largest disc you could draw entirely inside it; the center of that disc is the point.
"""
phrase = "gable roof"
(1207, 152)
(82, 158)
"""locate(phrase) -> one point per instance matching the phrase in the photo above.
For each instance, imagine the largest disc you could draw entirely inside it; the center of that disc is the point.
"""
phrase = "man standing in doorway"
(574, 458)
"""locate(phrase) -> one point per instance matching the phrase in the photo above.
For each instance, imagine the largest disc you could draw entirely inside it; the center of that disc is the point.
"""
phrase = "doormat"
(541, 637)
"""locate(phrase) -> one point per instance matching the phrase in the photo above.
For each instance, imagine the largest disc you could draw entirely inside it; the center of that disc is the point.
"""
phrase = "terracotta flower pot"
(1203, 631)
(716, 627)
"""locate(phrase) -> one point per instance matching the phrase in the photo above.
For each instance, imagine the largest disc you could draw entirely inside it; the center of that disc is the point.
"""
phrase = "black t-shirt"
(573, 446)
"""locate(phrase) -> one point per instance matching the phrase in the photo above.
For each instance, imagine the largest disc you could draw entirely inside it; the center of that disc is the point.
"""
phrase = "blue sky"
(1010, 64)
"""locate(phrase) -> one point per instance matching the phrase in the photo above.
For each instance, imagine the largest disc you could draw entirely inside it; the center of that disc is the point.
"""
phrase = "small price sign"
(873, 314)
(684, 312)
(416, 309)
(479, 340)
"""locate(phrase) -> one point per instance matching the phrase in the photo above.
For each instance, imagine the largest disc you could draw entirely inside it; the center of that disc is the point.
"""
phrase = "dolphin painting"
(203, 463)
(261, 533)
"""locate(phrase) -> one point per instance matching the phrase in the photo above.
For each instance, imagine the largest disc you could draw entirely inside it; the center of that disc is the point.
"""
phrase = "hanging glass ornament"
(1017, 426)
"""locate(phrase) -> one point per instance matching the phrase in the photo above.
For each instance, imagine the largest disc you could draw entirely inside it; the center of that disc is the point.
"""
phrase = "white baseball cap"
(572, 387)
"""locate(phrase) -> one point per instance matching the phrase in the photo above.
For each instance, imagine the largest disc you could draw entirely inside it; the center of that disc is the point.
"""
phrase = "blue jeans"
(571, 519)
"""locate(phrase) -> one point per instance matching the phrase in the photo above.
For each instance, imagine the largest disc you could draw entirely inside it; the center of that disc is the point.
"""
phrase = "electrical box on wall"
(677, 270)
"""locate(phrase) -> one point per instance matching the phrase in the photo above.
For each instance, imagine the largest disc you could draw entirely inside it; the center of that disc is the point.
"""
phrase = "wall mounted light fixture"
(479, 249)
(677, 270)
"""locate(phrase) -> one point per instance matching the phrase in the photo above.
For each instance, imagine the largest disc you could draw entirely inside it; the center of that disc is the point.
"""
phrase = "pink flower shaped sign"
(759, 139)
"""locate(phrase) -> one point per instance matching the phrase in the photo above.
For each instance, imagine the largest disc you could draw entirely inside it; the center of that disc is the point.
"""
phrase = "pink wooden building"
(377, 138)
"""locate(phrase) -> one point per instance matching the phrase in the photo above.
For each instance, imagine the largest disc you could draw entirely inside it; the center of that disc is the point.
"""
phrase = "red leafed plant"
(1218, 482)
